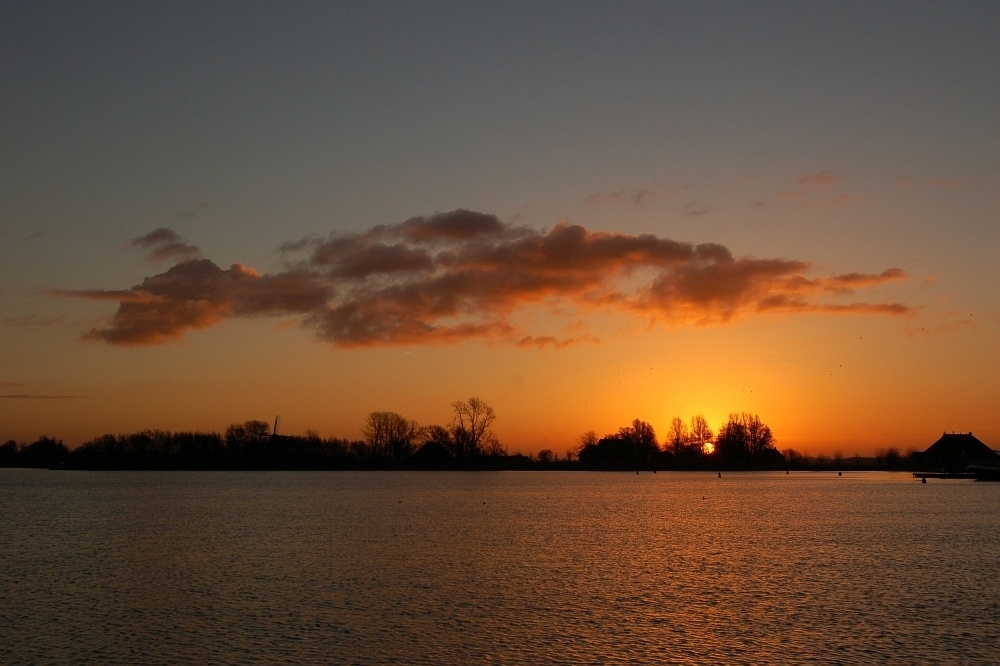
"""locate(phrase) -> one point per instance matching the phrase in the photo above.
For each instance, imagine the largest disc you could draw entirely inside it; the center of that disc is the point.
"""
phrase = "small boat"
(985, 472)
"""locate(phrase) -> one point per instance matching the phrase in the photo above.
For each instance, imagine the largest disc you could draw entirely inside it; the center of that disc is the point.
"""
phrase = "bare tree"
(587, 439)
(701, 434)
(248, 439)
(731, 445)
(678, 436)
(794, 459)
(438, 434)
(470, 427)
(642, 433)
(491, 445)
(744, 437)
(239, 435)
(389, 435)
(759, 437)
(640, 437)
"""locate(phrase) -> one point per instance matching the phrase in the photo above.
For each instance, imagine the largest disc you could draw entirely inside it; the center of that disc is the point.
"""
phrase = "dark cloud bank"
(464, 275)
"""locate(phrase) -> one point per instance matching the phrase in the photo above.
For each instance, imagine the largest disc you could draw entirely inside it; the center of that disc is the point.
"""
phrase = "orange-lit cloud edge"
(462, 275)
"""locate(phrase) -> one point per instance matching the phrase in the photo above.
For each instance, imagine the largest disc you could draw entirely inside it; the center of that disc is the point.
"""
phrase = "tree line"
(389, 442)
(744, 441)
(467, 441)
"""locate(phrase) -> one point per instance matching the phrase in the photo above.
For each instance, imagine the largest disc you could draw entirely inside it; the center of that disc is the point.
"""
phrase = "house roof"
(962, 446)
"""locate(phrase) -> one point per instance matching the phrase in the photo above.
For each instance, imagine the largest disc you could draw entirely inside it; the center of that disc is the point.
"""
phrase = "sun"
(708, 448)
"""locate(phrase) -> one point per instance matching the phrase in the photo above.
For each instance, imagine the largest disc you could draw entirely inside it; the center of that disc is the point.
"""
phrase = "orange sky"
(582, 215)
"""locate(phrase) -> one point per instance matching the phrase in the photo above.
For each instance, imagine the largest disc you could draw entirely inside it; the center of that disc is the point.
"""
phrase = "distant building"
(954, 452)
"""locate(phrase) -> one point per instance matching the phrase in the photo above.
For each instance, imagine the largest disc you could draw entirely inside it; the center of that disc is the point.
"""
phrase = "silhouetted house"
(956, 451)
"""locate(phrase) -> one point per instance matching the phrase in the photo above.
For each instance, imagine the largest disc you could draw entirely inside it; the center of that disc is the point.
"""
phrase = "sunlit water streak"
(455, 568)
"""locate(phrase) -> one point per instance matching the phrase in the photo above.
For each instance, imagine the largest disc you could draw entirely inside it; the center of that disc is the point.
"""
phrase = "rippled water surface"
(516, 567)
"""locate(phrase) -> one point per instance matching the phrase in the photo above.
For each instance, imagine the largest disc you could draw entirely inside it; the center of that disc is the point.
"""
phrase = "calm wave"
(516, 567)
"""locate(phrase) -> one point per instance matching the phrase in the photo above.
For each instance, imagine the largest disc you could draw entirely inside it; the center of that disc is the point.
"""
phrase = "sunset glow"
(585, 215)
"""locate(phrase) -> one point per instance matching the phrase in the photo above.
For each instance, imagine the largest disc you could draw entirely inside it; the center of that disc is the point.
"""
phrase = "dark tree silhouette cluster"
(390, 441)
(43, 452)
(744, 441)
(633, 445)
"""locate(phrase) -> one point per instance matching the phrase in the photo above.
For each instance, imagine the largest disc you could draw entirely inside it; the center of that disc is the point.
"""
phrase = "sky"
(581, 212)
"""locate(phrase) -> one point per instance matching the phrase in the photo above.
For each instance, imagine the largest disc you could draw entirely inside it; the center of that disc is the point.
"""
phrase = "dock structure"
(943, 475)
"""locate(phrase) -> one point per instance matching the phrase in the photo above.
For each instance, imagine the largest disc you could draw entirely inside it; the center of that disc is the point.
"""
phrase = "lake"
(496, 567)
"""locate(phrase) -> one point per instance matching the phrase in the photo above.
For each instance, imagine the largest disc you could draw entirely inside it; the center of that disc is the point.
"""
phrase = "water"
(506, 568)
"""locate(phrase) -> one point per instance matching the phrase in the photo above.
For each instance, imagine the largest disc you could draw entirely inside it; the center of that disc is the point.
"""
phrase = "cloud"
(820, 180)
(163, 245)
(615, 197)
(849, 282)
(465, 275)
(193, 213)
(819, 190)
(695, 209)
(635, 196)
(33, 320)
(552, 341)
(197, 294)
(951, 326)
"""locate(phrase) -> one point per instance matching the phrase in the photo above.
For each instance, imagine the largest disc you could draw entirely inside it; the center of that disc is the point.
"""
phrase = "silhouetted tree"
(439, 436)
(98, 453)
(491, 445)
(334, 449)
(389, 435)
(43, 452)
(794, 459)
(359, 449)
(701, 434)
(8, 454)
(147, 449)
(890, 457)
(678, 438)
(198, 450)
(632, 445)
(587, 439)
(745, 439)
(642, 437)
(248, 431)
(731, 444)
(470, 426)
(248, 441)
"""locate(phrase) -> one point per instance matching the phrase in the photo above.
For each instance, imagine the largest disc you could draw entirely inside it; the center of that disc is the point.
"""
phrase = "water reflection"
(504, 567)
